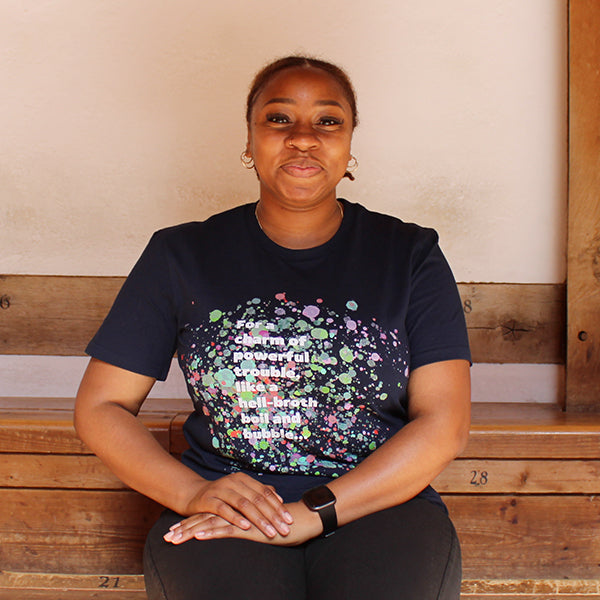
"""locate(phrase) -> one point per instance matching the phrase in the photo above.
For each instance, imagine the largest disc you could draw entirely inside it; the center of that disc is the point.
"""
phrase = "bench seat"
(525, 498)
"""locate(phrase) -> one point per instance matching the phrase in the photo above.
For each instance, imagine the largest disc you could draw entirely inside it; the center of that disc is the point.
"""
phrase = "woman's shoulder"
(391, 227)
(213, 226)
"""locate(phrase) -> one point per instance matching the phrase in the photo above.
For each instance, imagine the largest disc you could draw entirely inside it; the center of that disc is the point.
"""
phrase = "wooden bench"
(525, 498)
(525, 495)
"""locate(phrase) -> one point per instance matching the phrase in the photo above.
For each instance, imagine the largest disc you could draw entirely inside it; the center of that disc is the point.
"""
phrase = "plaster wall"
(118, 118)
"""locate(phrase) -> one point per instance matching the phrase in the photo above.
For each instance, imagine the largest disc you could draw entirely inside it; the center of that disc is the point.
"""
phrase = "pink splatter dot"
(311, 311)
(281, 296)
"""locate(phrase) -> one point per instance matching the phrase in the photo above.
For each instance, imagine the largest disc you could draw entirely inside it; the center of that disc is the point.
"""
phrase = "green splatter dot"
(324, 390)
(215, 442)
(225, 377)
(345, 378)
(318, 333)
(263, 445)
(215, 315)
(306, 432)
(383, 396)
(346, 354)
(351, 305)
(372, 446)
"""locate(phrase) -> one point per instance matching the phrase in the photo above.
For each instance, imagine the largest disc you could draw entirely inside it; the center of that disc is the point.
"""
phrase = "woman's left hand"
(206, 526)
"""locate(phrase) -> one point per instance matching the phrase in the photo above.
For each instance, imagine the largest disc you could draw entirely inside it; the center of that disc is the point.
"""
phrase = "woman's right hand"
(243, 501)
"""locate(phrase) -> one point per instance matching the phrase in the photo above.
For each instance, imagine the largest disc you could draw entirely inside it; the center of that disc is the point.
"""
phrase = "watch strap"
(329, 519)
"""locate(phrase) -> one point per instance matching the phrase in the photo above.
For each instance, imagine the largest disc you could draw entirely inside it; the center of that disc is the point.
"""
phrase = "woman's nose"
(302, 138)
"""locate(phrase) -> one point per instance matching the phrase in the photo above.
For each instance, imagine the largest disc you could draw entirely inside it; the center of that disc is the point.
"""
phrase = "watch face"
(319, 497)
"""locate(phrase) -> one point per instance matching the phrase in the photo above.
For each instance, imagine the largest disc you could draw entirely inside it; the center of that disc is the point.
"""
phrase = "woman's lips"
(302, 168)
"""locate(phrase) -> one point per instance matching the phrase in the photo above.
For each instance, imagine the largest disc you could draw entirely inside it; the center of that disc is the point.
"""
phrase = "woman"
(296, 321)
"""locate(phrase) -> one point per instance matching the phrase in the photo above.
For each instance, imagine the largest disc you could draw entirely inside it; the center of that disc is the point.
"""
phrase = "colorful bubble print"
(294, 388)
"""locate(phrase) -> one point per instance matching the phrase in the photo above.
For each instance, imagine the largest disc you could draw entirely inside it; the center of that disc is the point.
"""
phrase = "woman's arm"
(106, 408)
(439, 411)
(439, 401)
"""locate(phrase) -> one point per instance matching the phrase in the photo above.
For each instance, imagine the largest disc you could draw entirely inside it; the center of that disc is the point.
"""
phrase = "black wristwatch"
(321, 500)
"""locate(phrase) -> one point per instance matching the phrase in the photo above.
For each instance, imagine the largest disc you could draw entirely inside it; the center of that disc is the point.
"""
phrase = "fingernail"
(199, 534)
(271, 531)
(288, 517)
(284, 529)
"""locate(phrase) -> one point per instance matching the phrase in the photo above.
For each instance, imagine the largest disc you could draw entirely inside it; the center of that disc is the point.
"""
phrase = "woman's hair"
(263, 77)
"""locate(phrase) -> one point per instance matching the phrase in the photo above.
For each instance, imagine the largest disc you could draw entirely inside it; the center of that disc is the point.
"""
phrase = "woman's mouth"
(302, 168)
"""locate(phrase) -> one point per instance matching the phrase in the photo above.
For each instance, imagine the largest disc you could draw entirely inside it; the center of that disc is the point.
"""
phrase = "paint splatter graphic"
(294, 388)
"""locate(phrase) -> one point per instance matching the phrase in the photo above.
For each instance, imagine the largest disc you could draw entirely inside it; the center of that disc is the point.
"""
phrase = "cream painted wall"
(117, 118)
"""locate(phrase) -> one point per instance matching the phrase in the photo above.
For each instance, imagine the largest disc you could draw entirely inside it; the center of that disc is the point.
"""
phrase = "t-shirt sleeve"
(140, 331)
(435, 320)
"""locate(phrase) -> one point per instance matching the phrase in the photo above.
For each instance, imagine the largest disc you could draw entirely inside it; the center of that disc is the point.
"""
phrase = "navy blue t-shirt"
(297, 361)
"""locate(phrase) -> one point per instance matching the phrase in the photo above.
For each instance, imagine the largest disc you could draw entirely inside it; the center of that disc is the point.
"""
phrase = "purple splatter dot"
(311, 311)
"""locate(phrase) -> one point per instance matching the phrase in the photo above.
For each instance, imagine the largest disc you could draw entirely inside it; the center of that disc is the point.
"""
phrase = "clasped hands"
(238, 506)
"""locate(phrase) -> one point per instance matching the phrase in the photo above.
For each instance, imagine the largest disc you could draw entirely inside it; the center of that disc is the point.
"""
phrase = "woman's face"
(299, 137)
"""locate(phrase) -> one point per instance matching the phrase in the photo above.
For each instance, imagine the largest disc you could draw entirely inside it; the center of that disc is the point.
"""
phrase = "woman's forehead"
(303, 83)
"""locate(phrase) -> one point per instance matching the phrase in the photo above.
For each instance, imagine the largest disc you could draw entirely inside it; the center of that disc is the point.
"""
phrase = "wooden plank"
(528, 537)
(71, 586)
(533, 431)
(498, 430)
(106, 586)
(520, 477)
(55, 315)
(515, 323)
(56, 471)
(66, 594)
(471, 476)
(539, 588)
(74, 531)
(583, 332)
(58, 315)
(53, 432)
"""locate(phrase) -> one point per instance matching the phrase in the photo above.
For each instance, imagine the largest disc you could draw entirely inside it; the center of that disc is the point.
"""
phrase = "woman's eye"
(278, 118)
(328, 121)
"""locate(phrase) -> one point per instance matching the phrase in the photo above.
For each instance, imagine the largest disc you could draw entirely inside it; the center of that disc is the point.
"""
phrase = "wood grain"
(484, 476)
(583, 332)
(52, 315)
(59, 531)
(515, 323)
(132, 586)
(529, 537)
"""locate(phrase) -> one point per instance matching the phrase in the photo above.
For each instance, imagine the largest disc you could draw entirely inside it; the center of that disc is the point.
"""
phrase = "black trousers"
(408, 552)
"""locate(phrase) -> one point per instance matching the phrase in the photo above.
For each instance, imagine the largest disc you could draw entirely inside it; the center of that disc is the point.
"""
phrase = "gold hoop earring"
(247, 161)
(352, 164)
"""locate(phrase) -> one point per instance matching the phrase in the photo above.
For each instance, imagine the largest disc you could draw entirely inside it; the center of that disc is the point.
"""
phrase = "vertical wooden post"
(583, 284)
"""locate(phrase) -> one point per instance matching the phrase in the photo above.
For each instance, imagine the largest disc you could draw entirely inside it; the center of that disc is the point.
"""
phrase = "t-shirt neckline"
(306, 253)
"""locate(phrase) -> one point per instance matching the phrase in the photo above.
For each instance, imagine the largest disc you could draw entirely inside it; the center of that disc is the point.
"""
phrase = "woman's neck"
(299, 229)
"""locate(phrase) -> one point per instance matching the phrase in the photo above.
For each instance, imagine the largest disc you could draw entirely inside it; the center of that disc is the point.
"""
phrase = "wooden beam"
(15, 585)
(583, 332)
(515, 323)
(74, 531)
(533, 537)
(56, 315)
